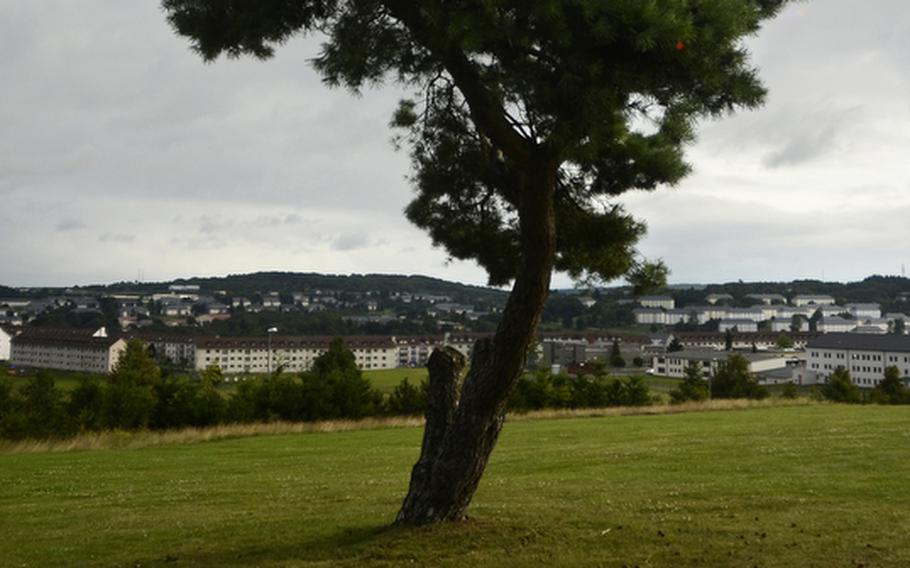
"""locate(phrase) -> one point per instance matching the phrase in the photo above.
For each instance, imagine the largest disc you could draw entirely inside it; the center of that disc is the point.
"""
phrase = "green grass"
(385, 380)
(801, 486)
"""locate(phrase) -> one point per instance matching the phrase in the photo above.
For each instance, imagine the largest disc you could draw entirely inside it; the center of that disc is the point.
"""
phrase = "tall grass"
(119, 439)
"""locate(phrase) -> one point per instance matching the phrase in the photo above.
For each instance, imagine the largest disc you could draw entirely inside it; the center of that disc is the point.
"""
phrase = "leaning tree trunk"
(462, 427)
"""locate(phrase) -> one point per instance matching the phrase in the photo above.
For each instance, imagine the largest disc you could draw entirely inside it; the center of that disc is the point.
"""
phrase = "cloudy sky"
(122, 155)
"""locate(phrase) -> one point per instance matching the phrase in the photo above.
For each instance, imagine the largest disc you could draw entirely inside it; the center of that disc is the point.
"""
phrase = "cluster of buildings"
(865, 356)
(94, 351)
(181, 304)
(812, 358)
(770, 312)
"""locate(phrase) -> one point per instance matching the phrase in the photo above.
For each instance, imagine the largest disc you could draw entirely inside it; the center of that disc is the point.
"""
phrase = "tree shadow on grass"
(380, 544)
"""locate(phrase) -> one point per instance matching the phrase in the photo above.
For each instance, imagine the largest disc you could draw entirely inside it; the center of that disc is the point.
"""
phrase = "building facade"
(292, 354)
(66, 350)
(675, 364)
(865, 355)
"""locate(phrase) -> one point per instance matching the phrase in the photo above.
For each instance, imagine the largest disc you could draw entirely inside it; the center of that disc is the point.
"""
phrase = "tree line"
(138, 395)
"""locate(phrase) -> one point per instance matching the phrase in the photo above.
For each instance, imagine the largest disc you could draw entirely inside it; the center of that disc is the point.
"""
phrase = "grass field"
(385, 380)
(819, 485)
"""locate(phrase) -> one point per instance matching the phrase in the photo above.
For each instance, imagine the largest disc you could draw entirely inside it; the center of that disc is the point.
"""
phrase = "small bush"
(407, 399)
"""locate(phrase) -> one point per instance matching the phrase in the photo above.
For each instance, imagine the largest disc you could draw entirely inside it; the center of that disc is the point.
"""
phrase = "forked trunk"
(461, 431)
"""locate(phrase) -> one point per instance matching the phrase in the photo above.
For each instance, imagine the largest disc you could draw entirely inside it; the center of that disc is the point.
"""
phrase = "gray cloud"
(811, 136)
(350, 242)
(66, 225)
(246, 165)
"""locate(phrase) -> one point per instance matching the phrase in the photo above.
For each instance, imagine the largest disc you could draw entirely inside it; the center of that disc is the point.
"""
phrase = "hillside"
(815, 486)
(289, 282)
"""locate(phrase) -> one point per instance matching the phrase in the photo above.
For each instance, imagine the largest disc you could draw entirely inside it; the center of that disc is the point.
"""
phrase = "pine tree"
(524, 131)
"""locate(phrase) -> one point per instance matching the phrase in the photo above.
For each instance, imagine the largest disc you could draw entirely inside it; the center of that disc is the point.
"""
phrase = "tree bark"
(461, 432)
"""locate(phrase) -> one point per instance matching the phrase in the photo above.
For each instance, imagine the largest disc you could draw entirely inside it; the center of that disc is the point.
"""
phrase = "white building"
(664, 302)
(293, 354)
(6, 336)
(740, 325)
(865, 355)
(864, 311)
(649, 316)
(674, 364)
(704, 314)
(810, 299)
(786, 324)
(715, 298)
(66, 349)
(768, 299)
(835, 324)
(752, 314)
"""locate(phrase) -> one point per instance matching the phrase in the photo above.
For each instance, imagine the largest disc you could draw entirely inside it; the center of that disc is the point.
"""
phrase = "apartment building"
(293, 354)
(66, 349)
(812, 299)
(741, 325)
(768, 299)
(865, 355)
(663, 302)
(675, 364)
(7, 333)
(865, 311)
(835, 324)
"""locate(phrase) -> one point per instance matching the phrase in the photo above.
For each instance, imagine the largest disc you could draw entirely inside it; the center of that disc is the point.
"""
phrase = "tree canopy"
(602, 95)
(529, 119)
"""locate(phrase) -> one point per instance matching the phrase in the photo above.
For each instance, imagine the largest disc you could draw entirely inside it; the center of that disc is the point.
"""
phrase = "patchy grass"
(813, 485)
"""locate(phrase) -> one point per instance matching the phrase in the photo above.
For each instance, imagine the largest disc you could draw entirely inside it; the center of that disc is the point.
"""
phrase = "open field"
(385, 380)
(819, 485)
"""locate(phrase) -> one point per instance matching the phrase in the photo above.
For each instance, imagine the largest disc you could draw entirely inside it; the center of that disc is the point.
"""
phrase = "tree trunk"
(461, 432)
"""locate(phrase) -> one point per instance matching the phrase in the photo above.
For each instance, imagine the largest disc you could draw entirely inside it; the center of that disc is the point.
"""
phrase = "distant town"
(391, 322)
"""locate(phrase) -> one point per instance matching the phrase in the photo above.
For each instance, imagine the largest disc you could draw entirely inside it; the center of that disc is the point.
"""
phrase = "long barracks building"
(66, 349)
(865, 355)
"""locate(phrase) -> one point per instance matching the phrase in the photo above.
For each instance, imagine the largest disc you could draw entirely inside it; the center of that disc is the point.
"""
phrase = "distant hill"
(288, 282)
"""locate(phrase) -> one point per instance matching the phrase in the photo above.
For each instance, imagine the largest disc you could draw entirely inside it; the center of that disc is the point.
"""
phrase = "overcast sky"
(123, 155)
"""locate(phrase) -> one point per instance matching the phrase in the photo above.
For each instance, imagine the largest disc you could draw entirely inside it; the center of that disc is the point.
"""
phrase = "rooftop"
(861, 342)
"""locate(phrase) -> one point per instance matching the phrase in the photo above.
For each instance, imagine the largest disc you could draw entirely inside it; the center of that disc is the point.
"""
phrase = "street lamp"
(270, 331)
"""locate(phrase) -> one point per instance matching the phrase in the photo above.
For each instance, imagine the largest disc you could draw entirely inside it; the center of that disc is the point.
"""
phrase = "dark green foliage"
(334, 388)
(733, 380)
(694, 387)
(891, 389)
(545, 390)
(674, 345)
(86, 404)
(840, 388)
(408, 399)
(616, 358)
(136, 366)
(563, 309)
(44, 408)
(182, 403)
(784, 341)
(130, 398)
(728, 340)
(789, 391)
(638, 362)
(128, 407)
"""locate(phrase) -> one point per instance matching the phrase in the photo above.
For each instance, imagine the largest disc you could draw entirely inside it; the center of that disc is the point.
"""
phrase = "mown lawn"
(817, 486)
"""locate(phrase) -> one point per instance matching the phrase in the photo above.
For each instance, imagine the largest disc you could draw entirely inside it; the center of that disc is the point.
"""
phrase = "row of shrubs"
(137, 396)
(890, 390)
